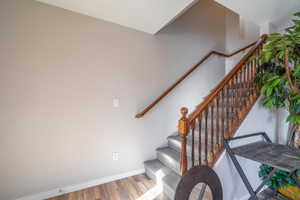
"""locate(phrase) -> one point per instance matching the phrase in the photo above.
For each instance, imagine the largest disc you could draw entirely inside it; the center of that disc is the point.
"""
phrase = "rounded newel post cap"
(184, 111)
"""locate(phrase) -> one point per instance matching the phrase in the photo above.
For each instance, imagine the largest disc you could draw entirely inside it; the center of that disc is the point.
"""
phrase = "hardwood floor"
(138, 187)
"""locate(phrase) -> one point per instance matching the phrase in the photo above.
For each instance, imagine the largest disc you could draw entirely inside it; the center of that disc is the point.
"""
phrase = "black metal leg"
(294, 175)
(264, 134)
(240, 171)
(202, 191)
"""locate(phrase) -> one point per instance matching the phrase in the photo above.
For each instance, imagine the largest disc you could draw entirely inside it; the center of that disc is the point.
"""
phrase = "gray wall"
(59, 72)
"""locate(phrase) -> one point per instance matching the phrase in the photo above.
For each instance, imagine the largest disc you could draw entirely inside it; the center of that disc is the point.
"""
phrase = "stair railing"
(165, 93)
(221, 113)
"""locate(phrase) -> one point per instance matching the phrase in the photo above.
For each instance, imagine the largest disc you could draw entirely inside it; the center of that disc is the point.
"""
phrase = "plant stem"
(288, 72)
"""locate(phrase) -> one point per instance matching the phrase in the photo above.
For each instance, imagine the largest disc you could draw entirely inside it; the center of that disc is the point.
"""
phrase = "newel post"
(183, 129)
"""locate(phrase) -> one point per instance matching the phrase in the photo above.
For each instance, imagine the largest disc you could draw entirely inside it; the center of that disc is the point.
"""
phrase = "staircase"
(200, 135)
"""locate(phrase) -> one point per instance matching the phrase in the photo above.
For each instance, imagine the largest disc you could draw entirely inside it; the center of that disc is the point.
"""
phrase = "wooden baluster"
(211, 153)
(183, 129)
(228, 114)
(193, 142)
(246, 85)
(237, 103)
(254, 72)
(244, 93)
(218, 122)
(252, 78)
(249, 83)
(253, 75)
(235, 107)
(199, 139)
(256, 68)
(206, 137)
(240, 96)
(237, 99)
(223, 115)
(233, 104)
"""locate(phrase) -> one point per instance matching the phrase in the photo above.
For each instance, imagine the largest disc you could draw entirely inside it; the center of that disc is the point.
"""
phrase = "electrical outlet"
(115, 156)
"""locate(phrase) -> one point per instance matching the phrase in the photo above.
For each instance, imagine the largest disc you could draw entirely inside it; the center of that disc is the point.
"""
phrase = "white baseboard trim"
(73, 188)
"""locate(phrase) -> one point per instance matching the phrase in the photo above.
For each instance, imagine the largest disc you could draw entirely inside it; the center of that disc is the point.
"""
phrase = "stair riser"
(156, 170)
(168, 191)
(172, 163)
(169, 162)
(151, 175)
(170, 183)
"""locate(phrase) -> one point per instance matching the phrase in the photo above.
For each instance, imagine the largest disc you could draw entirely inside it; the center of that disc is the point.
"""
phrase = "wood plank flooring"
(138, 187)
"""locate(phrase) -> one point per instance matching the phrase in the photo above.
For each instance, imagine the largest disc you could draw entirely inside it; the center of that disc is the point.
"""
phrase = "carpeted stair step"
(156, 170)
(171, 158)
(170, 183)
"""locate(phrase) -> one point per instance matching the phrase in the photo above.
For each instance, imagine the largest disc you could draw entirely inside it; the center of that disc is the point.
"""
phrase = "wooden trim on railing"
(141, 114)
(225, 81)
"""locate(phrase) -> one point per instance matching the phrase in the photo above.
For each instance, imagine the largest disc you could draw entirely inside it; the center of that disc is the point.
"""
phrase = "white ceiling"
(148, 16)
(261, 12)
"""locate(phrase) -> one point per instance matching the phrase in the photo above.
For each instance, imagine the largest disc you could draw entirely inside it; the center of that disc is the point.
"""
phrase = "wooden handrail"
(156, 101)
(225, 81)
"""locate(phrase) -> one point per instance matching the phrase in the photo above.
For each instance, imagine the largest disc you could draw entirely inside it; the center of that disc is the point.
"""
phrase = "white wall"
(263, 11)
(259, 119)
(239, 33)
(59, 73)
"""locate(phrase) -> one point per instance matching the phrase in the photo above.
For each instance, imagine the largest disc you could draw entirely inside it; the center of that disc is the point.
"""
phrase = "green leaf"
(274, 36)
(280, 54)
(296, 72)
(297, 14)
(269, 91)
(275, 82)
(267, 56)
(252, 58)
(297, 22)
(294, 118)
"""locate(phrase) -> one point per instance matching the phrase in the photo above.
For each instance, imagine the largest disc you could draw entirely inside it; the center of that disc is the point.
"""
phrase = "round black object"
(196, 175)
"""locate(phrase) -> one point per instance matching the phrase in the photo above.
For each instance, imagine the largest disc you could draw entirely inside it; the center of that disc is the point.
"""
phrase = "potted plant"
(279, 76)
